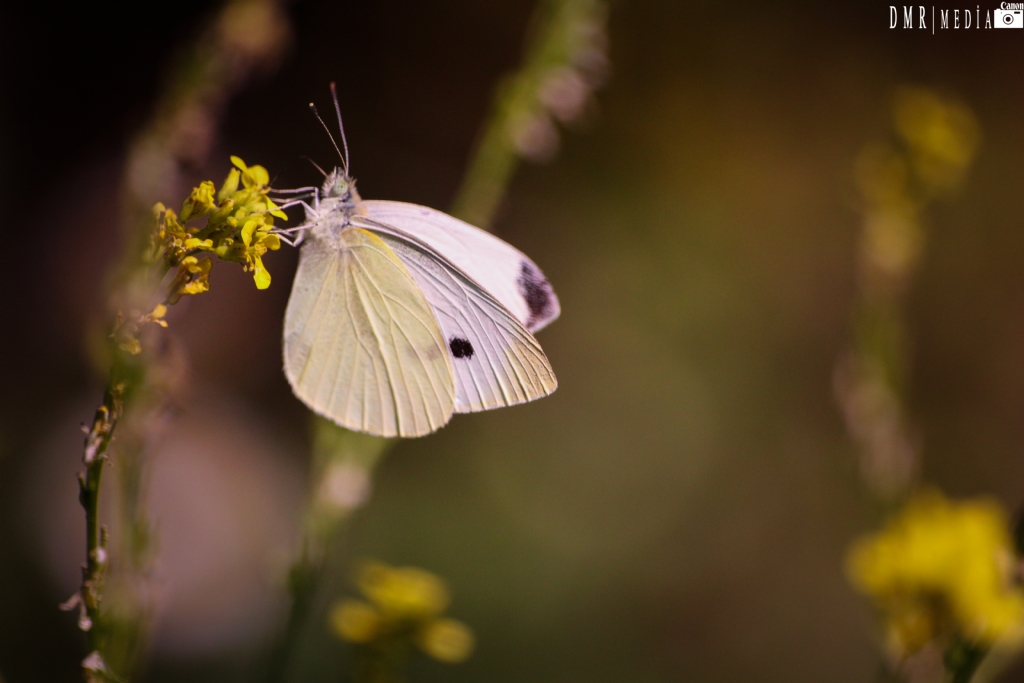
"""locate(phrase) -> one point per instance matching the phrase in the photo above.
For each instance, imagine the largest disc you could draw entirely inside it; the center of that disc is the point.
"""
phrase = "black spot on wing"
(536, 291)
(461, 348)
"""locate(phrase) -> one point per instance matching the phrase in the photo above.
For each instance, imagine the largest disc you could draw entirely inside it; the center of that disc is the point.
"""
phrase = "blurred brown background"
(678, 510)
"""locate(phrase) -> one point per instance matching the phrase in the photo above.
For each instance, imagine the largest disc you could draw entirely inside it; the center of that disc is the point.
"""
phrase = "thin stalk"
(898, 180)
(104, 422)
(564, 61)
(962, 660)
(120, 387)
(342, 472)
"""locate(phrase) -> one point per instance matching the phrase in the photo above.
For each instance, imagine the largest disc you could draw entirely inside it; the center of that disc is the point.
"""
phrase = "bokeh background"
(679, 509)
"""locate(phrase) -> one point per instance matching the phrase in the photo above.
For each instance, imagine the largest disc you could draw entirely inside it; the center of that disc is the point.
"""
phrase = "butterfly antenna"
(315, 165)
(317, 115)
(341, 127)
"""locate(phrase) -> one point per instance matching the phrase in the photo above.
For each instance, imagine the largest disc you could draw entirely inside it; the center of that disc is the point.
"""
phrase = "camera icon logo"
(1008, 18)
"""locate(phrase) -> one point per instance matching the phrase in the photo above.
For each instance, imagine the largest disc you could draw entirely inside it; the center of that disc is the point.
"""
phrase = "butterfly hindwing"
(495, 359)
(498, 267)
(361, 343)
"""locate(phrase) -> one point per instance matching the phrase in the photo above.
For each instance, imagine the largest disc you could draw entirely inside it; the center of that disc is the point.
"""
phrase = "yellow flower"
(941, 135)
(260, 275)
(173, 227)
(257, 242)
(196, 243)
(446, 640)
(156, 316)
(940, 569)
(403, 592)
(199, 203)
(130, 344)
(230, 185)
(274, 211)
(252, 176)
(193, 278)
(355, 621)
(249, 228)
(404, 608)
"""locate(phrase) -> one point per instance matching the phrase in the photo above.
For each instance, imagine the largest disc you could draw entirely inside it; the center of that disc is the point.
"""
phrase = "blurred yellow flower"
(130, 344)
(403, 592)
(941, 135)
(355, 621)
(446, 640)
(940, 569)
(126, 328)
(403, 607)
(156, 316)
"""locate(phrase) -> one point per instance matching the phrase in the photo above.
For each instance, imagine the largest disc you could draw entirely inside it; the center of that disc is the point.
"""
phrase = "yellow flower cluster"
(238, 228)
(939, 570)
(239, 220)
(404, 605)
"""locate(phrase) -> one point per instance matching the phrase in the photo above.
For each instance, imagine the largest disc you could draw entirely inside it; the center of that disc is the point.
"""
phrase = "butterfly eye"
(340, 188)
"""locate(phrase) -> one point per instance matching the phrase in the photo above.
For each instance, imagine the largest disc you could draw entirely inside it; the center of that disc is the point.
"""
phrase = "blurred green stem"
(925, 158)
(560, 30)
(962, 660)
(342, 467)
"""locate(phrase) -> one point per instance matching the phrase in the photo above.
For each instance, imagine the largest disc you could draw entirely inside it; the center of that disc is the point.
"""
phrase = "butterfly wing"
(361, 343)
(496, 361)
(498, 267)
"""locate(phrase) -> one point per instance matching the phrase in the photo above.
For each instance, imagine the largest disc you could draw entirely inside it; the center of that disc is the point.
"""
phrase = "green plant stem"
(120, 386)
(352, 456)
(104, 422)
(962, 660)
(558, 30)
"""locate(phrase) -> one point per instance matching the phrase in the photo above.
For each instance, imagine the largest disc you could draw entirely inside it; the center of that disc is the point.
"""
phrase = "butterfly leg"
(312, 215)
(289, 242)
(299, 202)
(311, 190)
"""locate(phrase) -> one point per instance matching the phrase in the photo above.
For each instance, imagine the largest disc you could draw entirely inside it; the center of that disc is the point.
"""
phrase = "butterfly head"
(339, 185)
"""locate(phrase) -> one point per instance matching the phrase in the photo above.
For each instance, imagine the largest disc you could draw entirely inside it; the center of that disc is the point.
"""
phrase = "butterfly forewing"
(496, 361)
(498, 267)
(361, 344)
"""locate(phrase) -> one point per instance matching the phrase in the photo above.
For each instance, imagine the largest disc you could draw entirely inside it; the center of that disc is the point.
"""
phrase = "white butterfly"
(401, 315)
